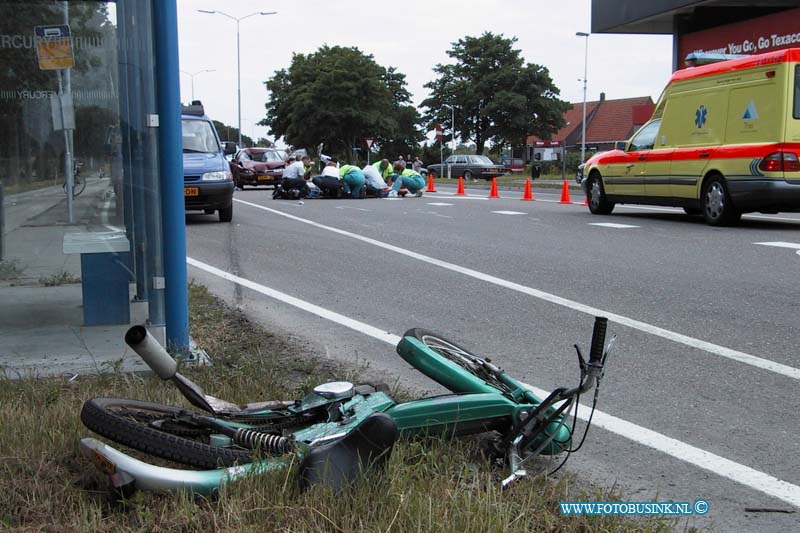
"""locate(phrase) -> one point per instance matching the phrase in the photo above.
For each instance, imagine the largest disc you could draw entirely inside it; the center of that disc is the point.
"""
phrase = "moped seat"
(341, 462)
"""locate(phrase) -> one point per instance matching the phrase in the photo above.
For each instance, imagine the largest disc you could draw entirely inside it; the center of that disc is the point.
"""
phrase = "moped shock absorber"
(253, 439)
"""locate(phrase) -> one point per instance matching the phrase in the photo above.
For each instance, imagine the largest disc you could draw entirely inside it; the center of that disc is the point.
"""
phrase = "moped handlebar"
(598, 340)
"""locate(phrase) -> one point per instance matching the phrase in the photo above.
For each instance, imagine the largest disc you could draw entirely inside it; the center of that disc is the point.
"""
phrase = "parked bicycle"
(338, 430)
(78, 182)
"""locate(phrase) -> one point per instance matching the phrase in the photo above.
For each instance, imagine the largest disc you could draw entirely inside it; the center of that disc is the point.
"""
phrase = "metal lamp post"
(452, 124)
(585, 67)
(193, 74)
(238, 62)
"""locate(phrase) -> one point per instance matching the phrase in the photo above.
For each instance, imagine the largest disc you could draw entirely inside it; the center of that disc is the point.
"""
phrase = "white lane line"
(779, 244)
(509, 212)
(438, 203)
(612, 225)
(686, 340)
(711, 462)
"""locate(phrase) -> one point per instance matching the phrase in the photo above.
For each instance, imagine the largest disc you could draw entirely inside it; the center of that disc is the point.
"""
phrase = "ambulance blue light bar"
(696, 59)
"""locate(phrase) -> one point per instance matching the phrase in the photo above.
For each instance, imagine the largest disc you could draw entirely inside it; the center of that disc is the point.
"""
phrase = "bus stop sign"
(53, 47)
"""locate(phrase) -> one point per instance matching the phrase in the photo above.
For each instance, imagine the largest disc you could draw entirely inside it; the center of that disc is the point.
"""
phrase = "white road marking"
(438, 203)
(434, 213)
(722, 351)
(711, 462)
(779, 244)
(509, 212)
(351, 207)
(612, 225)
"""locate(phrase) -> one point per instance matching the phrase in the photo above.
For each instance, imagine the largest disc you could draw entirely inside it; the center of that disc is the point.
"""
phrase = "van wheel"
(598, 203)
(226, 215)
(717, 207)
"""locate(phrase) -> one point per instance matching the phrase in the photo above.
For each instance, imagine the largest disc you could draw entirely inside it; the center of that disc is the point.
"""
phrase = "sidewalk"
(41, 331)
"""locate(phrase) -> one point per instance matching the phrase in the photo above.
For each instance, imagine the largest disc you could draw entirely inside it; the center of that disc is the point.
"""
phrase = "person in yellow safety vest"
(384, 168)
(408, 179)
(352, 180)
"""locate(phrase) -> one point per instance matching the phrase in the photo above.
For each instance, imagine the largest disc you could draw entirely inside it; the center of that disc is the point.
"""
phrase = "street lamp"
(238, 63)
(583, 122)
(193, 74)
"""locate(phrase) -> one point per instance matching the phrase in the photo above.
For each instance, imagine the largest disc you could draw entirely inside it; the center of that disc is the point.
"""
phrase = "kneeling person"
(405, 178)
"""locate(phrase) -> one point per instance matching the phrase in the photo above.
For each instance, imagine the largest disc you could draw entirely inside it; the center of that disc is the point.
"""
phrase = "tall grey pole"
(238, 65)
(238, 83)
(585, 69)
(193, 74)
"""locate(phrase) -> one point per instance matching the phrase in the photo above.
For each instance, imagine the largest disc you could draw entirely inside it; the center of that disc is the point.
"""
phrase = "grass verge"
(432, 485)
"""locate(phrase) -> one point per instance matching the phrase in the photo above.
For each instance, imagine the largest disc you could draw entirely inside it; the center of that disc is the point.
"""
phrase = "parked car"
(513, 164)
(207, 183)
(258, 166)
(468, 166)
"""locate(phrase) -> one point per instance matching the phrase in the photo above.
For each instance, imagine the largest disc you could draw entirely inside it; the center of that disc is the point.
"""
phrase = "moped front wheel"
(453, 353)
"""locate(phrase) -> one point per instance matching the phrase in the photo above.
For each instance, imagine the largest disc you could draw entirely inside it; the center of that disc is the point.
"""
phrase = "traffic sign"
(370, 141)
(54, 47)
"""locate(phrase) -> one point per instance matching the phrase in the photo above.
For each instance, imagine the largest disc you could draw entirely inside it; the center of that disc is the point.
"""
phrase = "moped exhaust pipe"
(165, 367)
(151, 352)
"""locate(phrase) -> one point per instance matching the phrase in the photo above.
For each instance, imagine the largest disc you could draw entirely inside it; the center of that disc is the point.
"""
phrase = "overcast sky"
(411, 35)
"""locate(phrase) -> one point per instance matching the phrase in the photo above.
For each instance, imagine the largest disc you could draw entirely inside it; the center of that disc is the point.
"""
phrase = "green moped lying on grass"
(336, 432)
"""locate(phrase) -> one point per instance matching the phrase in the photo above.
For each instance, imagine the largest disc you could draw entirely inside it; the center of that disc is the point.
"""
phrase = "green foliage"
(231, 133)
(497, 96)
(338, 96)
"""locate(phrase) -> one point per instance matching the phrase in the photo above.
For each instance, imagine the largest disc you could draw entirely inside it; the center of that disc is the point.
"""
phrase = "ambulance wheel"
(717, 207)
(598, 203)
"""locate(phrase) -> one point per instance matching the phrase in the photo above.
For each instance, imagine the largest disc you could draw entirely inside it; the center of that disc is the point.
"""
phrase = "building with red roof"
(607, 121)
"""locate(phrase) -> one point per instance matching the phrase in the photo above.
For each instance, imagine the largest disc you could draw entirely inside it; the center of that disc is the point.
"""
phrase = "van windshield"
(796, 91)
(198, 137)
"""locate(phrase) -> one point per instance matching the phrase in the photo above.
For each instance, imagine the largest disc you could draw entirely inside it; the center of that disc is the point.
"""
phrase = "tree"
(227, 133)
(339, 96)
(497, 96)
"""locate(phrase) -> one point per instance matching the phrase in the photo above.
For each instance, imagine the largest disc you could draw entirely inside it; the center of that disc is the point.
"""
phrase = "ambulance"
(723, 140)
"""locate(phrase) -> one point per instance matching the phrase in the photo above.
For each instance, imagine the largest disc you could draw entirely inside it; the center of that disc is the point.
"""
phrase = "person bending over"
(352, 180)
(374, 182)
(328, 182)
(405, 178)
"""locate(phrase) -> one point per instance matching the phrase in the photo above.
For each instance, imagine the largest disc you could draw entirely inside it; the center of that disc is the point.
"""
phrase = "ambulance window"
(646, 138)
(797, 91)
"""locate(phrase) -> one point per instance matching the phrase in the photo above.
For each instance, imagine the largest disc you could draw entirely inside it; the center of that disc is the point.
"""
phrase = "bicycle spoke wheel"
(78, 185)
(160, 430)
(461, 356)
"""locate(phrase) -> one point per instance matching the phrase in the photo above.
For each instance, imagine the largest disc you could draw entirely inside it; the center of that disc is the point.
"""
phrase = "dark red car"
(258, 166)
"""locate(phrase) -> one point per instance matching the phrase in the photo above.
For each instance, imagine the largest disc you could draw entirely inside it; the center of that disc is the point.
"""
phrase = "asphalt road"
(706, 320)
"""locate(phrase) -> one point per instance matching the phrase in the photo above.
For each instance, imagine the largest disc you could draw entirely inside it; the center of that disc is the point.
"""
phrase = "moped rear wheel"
(160, 430)
(462, 357)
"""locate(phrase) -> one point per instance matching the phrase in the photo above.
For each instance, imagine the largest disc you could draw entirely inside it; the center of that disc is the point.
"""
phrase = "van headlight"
(216, 176)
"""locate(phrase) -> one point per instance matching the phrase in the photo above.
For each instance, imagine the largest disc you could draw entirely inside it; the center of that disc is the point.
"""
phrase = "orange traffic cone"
(493, 192)
(431, 184)
(460, 191)
(528, 194)
(565, 199)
